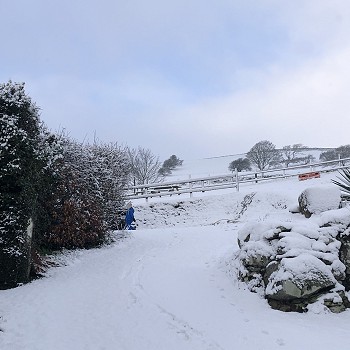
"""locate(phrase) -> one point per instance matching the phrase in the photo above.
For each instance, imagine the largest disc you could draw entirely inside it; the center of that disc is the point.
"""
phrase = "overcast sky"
(187, 77)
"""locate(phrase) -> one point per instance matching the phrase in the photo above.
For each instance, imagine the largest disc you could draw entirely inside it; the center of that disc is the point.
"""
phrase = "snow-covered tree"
(333, 154)
(144, 166)
(169, 165)
(51, 154)
(264, 155)
(328, 155)
(343, 151)
(239, 164)
(293, 154)
(20, 167)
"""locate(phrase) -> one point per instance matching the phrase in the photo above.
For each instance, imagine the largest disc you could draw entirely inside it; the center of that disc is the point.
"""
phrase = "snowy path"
(160, 289)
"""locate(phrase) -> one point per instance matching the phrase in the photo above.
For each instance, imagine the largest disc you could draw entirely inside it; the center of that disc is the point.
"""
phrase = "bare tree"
(291, 153)
(144, 166)
(339, 152)
(344, 151)
(264, 155)
(328, 155)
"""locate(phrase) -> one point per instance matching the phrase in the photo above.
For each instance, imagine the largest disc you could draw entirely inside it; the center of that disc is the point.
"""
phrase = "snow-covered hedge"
(89, 189)
(54, 192)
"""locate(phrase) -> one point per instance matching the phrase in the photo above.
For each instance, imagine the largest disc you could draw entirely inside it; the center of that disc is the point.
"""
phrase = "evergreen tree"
(20, 167)
(169, 165)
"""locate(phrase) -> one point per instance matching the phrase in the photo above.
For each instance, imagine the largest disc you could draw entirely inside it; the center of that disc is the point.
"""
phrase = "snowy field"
(195, 168)
(169, 285)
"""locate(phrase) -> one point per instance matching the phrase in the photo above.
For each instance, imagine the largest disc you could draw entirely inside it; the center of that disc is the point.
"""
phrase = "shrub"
(90, 182)
(20, 168)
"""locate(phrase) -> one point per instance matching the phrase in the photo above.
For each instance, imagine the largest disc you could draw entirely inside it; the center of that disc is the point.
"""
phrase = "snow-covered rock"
(317, 199)
(296, 262)
(299, 277)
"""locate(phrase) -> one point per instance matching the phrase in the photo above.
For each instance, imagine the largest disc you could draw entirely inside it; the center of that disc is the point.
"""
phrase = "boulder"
(336, 302)
(298, 278)
(344, 256)
(315, 200)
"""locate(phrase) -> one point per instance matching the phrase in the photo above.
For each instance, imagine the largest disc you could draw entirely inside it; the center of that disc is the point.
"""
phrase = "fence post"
(190, 185)
(237, 180)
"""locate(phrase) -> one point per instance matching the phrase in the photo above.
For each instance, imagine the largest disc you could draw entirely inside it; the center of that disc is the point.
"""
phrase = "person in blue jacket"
(129, 217)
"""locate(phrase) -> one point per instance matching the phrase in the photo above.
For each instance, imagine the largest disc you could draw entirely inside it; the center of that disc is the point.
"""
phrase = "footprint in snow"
(280, 342)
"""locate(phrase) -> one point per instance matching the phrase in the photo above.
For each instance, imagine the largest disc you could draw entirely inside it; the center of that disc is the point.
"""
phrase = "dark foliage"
(334, 154)
(20, 168)
(240, 164)
(169, 165)
(344, 182)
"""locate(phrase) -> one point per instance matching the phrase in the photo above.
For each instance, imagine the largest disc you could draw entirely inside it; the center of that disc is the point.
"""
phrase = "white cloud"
(309, 105)
(204, 78)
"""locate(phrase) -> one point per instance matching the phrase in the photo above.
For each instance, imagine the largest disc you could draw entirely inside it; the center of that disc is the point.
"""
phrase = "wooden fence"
(232, 180)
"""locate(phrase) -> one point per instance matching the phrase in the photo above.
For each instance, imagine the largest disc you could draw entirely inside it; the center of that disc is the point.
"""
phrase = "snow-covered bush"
(90, 180)
(54, 192)
(21, 163)
(110, 172)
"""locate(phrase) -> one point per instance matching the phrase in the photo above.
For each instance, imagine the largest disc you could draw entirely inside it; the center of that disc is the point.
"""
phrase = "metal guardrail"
(233, 180)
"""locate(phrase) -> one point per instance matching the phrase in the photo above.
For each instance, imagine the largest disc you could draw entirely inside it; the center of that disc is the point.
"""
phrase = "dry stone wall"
(302, 262)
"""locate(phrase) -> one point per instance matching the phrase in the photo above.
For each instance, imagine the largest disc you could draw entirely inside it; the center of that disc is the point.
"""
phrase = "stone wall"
(301, 262)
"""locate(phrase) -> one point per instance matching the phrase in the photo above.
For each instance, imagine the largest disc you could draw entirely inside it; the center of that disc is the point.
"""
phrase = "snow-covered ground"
(168, 285)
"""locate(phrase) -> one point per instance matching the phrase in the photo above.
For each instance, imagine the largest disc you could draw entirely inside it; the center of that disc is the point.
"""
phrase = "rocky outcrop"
(300, 263)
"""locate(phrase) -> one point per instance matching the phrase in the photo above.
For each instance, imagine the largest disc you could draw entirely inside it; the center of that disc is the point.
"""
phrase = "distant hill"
(219, 165)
